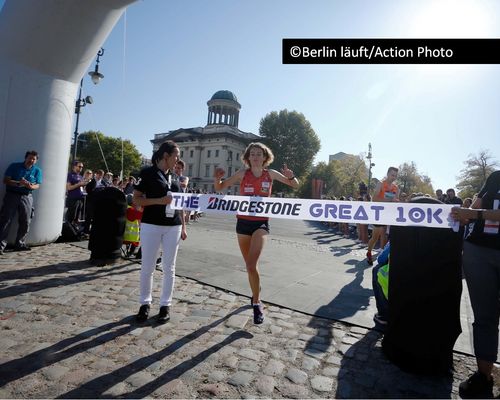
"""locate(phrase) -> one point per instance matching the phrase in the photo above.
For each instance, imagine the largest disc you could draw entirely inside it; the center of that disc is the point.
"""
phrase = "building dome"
(224, 95)
(223, 109)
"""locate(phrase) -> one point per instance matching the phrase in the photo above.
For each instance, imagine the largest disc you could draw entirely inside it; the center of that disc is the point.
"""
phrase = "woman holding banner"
(481, 266)
(255, 180)
(161, 227)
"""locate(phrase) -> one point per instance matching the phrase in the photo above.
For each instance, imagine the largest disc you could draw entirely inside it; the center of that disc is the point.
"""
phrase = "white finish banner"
(350, 212)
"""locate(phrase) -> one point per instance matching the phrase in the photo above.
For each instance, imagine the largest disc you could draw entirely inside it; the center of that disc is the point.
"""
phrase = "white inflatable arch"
(46, 46)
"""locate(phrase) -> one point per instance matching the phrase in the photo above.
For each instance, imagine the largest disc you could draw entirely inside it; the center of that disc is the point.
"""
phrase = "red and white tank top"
(256, 186)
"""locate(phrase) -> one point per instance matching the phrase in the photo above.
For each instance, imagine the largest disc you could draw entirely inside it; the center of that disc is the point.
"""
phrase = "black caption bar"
(391, 51)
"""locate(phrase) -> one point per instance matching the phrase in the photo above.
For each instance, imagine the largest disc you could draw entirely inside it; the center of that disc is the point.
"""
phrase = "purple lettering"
(377, 210)
(345, 211)
(416, 214)
(360, 214)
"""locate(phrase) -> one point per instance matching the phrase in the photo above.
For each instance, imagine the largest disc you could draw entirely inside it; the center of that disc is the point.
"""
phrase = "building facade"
(219, 144)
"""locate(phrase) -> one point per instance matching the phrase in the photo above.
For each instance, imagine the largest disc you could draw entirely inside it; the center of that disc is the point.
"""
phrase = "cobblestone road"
(68, 331)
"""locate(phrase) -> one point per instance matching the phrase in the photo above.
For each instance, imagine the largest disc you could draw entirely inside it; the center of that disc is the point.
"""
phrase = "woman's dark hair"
(492, 185)
(166, 147)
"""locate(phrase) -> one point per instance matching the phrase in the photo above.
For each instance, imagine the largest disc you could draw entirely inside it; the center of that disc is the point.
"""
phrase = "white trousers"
(152, 237)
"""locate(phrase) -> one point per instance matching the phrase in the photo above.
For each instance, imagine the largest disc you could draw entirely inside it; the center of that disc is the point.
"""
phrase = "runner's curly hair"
(268, 154)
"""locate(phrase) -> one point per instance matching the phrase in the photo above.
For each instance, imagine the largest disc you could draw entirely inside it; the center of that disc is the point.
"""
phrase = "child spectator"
(380, 283)
(131, 236)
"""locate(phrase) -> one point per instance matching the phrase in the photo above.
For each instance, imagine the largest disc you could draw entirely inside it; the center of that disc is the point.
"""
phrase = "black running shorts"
(247, 227)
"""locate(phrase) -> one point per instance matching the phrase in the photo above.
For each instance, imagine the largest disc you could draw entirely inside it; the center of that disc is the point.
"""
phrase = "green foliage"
(351, 171)
(89, 152)
(477, 169)
(410, 181)
(293, 141)
(323, 171)
(340, 177)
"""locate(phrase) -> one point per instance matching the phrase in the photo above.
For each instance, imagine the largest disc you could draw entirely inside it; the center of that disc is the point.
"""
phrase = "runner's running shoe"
(258, 314)
(369, 257)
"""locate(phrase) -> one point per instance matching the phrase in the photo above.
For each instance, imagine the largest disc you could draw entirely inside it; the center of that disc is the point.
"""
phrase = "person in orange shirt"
(385, 191)
(255, 180)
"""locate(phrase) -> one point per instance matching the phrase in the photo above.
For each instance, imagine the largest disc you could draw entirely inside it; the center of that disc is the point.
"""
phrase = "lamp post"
(370, 165)
(96, 77)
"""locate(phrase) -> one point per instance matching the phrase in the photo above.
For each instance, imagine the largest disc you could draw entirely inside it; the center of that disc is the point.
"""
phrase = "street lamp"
(96, 76)
(370, 165)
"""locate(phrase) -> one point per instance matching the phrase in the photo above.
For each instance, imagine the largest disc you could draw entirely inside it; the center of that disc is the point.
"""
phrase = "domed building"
(219, 144)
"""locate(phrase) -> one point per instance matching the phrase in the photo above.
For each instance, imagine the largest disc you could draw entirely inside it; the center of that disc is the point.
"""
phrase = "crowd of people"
(386, 191)
(80, 185)
(159, 229)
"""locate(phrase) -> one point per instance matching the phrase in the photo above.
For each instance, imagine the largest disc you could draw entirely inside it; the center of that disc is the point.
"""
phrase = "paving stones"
(240, 378)
(92, 347)
(251, 354)
(265, 385)
(322, 383)
(296, 375)
(310, 363)
(55, 372)
(237, 321)
(273, 368)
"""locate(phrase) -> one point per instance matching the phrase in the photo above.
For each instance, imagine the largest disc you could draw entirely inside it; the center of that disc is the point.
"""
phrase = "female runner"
(255, 180)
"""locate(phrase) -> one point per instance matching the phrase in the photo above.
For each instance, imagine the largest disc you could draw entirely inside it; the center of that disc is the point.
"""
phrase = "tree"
(340, 177)
(292, 139)
(410, 181)
(351, 171)
(326, 173)
(89, 152)
(477, 169)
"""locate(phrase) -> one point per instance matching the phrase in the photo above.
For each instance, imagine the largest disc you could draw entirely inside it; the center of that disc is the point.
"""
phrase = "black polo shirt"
(154, 186)
(487, 233)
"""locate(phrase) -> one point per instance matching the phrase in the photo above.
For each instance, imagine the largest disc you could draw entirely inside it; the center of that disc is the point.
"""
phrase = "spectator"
(131, 237)
(362, 228)
(451, 198)
(74, 198)
(95, 183)
(481, 266)
(21, 179)
(179, 171)
(439, 195)
(129, 186)
(184, 182)
(87, 176)
(115, 182)
(380, 284)
(108, 179)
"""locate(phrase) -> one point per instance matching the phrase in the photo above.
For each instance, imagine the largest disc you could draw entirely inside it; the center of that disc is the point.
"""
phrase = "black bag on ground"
(69, 233)
(425, 287)
(108, 224)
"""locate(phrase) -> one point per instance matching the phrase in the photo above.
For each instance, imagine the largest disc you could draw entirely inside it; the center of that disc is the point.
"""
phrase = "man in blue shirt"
(21, 179)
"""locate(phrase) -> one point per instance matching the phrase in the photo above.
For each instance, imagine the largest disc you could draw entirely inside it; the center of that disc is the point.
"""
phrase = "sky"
(165, 59)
